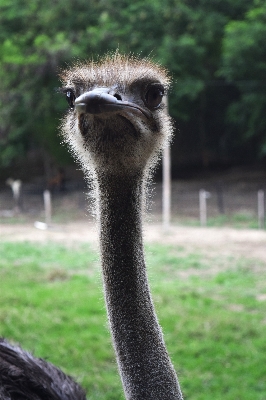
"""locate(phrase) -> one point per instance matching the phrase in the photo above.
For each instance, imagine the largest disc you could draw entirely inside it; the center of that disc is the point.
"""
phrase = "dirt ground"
(235, 189)
(225, 241)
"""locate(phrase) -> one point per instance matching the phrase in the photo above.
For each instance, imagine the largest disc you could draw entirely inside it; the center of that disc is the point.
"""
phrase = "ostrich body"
(24, 377)
(116, 128)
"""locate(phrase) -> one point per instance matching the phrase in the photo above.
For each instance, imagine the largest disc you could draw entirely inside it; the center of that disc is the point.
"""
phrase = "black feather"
(24, 377)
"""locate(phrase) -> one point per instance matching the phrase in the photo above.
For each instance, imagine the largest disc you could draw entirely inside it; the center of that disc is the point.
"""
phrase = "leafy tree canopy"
(216, 51)
(244, 63)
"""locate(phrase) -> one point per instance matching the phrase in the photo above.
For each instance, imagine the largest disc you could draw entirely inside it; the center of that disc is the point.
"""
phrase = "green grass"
(237, 220)
(240, 220)
(211, 309)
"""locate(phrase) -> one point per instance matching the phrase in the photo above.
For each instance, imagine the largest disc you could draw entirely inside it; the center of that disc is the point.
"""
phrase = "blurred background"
(216, 53)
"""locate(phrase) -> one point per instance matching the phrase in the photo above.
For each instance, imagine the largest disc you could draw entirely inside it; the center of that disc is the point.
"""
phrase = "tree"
(35, 40)
(207, 45)
(244, 64)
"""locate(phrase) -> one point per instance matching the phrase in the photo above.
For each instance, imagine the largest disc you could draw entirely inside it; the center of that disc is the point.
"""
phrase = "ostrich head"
(116, 123)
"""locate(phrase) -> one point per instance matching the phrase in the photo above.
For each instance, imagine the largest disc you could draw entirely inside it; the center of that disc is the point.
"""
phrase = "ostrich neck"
(145, 367)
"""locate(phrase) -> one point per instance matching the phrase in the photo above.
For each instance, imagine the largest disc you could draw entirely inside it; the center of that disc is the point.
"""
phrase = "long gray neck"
(145, 367)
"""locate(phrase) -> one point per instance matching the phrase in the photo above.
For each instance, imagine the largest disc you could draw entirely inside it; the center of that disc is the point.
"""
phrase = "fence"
(216, 204)
(191, 203)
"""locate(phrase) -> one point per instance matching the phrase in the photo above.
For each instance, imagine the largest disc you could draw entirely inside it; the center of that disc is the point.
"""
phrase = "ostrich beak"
(99, 101)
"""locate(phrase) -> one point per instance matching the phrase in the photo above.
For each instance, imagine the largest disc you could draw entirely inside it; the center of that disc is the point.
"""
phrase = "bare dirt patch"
(224, 241)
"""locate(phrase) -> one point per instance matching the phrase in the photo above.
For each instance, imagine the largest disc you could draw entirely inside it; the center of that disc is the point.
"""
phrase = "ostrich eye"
(70, 98)
(153, 96)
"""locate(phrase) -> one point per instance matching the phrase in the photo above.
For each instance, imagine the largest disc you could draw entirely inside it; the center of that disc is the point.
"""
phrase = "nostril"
(117, 96)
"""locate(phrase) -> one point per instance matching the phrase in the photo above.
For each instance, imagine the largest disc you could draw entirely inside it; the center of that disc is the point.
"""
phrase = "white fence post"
(166, 189)
(166, 200)
(203, 196)
(16, 190)
(261, 209)
(47, 206)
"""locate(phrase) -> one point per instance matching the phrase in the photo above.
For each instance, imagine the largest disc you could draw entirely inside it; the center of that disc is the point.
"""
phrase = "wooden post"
(261, 209)
(203, 196)
(47, 206)
(166, 187)
(16, 190)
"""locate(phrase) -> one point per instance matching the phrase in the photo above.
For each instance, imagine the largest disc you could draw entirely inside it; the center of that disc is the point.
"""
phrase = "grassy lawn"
(213, 313)
(240, 220)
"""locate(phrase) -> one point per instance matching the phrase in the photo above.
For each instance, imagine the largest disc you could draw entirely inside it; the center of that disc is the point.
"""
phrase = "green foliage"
(212, 310)
(214, 50)
(244, 55)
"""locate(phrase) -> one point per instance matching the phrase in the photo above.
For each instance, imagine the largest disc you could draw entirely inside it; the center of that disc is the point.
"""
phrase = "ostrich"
(116, 127)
